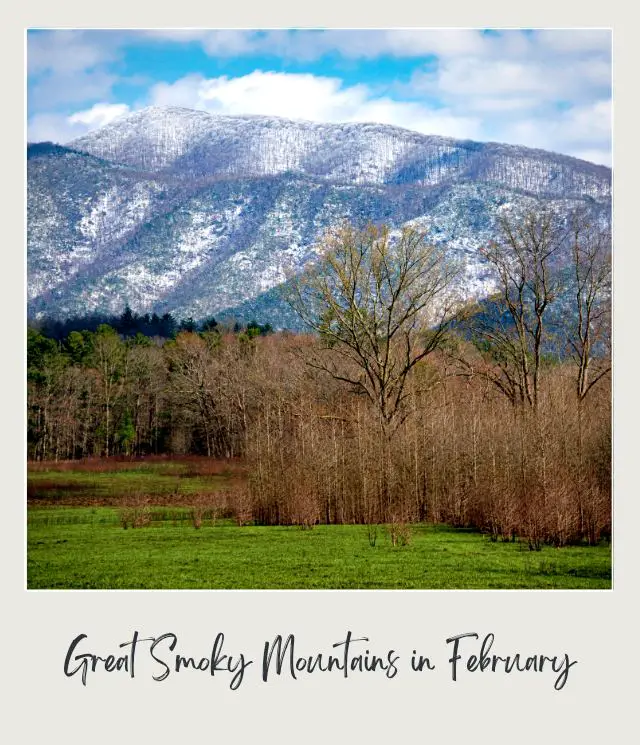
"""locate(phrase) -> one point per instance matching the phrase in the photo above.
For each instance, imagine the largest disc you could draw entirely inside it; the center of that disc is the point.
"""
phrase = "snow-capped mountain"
(199, 144)
(176, 210)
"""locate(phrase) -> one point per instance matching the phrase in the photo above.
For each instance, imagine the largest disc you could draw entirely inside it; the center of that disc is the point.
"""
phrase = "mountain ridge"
(163, 111)
(198, 142)
(199, 216)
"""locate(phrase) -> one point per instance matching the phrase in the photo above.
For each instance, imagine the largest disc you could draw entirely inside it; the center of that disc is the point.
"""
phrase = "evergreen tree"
(209, 324)
(126, 433)
(188, 324)
(127, 322)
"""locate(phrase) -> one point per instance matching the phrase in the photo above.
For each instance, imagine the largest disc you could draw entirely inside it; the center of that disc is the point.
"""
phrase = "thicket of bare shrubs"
(464, 456)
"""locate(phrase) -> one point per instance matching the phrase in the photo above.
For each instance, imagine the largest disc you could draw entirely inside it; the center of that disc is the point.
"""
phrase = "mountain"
(169, 209)
(198, 144)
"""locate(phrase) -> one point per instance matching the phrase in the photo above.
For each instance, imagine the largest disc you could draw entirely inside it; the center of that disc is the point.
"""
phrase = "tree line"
(130, 323)
(402, 404)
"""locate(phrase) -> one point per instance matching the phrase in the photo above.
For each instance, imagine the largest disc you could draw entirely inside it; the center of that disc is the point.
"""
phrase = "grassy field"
(76, 539)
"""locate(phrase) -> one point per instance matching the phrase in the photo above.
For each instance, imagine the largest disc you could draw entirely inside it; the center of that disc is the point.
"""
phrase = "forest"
(402, 404)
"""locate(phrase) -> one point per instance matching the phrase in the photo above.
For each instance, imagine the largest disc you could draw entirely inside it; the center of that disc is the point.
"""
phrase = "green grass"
(76, 540)
(85, 547)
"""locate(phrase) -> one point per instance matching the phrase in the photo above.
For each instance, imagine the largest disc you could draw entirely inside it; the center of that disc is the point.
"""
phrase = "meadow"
(161, 523)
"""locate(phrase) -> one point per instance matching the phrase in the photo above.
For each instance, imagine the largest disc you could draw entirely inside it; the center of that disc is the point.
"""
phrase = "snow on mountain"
(202, 144)
(176, 210)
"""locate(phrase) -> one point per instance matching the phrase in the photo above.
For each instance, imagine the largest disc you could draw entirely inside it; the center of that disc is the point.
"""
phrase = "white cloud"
(228, 42)
(371, 43)
(99, 115)
(581, 131)
(313, 44)
(601, 157)
(306, 96)
(52, 128)
(61, 128)
(511, 106)
(68, 51)
(547, 88)
(368, 43)
(174, 34)
(575, 40)
(70, 88)
(473, 79)
(70, 67)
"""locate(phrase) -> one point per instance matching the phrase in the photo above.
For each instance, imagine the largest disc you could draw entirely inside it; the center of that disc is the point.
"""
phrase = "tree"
(209, 324)
(589, 336)
(146, 374)
(109, 358)
(166, 326)
(190, 366)
(511, 328)
(45, 368)
(188, 324)
(127, 322)
(383, 303)
(126, 433)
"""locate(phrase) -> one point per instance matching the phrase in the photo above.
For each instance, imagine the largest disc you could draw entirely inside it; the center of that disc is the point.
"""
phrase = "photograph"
(318, 309)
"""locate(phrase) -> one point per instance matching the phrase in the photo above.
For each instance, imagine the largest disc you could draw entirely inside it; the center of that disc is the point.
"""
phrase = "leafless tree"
(109, 359)
(383, 303)
(512, 329)
(589, 336)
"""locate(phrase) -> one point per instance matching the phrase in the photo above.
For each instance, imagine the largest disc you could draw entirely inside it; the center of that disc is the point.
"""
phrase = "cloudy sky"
(547, 89)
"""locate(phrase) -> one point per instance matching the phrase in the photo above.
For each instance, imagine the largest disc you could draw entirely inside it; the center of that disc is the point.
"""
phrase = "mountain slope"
(182, 211)
(201, 144)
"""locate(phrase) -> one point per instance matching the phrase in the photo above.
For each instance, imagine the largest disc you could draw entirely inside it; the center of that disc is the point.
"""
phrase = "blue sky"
(545, 88)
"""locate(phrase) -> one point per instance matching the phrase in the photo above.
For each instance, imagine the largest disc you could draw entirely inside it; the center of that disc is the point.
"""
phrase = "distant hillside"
(172, 210)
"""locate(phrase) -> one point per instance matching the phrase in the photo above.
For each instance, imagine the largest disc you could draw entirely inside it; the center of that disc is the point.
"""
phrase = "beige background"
(597, 628)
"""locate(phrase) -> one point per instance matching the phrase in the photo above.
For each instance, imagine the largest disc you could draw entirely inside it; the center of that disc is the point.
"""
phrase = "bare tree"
(589, 336)
(382, 302)
(109, 359)
(193, 384)
(512, 328)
